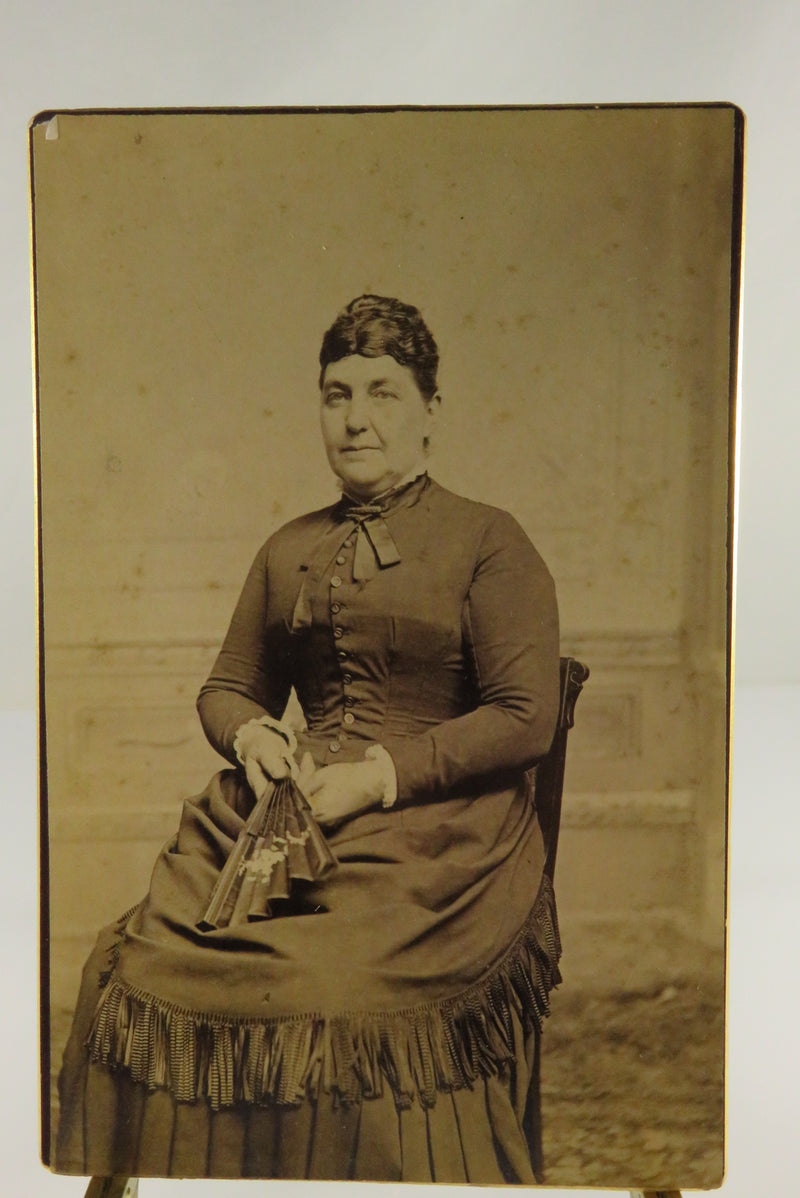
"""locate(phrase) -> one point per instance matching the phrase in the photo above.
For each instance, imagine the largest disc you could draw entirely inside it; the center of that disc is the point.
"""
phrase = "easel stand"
(128, 1187)
(113, 1187)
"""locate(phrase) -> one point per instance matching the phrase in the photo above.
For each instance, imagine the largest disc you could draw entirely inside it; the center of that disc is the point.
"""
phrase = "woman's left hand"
(337, 792)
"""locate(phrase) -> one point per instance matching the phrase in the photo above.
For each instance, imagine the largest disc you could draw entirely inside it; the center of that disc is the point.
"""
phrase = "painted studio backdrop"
(575, 267)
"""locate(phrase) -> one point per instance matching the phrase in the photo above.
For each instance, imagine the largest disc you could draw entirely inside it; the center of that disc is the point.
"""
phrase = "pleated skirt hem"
(486, 1134)
(470, 1136)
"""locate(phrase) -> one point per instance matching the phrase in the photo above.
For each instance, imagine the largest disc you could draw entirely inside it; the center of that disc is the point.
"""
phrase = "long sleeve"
(250, 677)
(510, 626)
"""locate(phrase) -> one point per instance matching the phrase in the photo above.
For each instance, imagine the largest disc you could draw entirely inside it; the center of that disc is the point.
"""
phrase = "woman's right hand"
(265, 755)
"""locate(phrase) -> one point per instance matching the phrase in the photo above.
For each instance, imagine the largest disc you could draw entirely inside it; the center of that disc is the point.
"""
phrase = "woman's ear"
(432, 407)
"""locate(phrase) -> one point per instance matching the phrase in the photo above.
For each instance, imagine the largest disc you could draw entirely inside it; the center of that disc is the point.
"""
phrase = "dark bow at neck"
(375, 546)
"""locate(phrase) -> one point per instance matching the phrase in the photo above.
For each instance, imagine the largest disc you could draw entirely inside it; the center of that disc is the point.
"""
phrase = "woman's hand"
(337, 792)
(266, 756)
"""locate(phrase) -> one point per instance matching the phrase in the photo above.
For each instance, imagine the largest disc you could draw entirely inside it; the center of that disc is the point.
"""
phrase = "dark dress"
(387, 1026)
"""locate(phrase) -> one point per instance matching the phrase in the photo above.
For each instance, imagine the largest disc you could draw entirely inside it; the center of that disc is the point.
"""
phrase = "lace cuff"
(384, 760)
(283, 730)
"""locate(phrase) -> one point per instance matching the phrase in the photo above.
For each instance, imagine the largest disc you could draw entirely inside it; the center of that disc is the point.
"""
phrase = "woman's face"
(374, 422)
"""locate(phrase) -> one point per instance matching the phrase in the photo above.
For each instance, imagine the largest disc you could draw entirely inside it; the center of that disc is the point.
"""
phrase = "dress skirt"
(404, 1000)
(484, 1135)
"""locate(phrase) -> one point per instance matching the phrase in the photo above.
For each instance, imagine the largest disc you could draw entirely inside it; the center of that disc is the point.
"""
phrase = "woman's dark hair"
(374, 325)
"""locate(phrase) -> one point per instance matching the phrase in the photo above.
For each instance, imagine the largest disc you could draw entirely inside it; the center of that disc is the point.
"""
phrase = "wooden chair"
(549, 785)
(548, 789)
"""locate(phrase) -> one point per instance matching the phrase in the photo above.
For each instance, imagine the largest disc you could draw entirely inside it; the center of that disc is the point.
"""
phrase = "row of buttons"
(338, 632)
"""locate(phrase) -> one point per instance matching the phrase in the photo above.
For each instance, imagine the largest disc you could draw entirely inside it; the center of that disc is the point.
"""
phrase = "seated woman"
(385, 1024)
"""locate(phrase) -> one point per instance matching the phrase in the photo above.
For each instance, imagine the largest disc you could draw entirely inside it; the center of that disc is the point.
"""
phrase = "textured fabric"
(400, 1001)
(111, 1125)
(473, 1135)
(448, 658)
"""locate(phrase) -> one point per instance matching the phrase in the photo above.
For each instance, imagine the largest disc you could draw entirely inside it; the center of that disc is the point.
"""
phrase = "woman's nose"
(357, 414)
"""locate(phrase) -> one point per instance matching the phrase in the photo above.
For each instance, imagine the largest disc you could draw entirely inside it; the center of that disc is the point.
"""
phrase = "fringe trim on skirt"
(417, 1051)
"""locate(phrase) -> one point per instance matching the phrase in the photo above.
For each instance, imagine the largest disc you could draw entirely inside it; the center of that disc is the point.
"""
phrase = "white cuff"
(388, 771)
(283, 730)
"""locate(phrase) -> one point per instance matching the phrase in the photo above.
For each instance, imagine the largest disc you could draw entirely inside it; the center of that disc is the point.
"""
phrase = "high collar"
(375, 547)
(407, 491)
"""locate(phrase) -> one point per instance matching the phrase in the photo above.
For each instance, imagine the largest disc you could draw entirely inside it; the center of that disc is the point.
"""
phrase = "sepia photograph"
(385, 474)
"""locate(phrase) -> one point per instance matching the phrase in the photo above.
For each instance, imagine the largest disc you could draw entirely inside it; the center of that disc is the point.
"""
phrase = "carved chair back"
(549, 784)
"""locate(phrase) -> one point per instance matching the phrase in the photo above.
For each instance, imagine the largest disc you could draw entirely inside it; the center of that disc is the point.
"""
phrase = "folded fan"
(280, 842)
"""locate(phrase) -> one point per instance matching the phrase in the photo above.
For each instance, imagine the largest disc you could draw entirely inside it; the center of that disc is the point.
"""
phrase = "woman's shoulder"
(309, 523)
(482, 531)
(483, 518)
(298, 534)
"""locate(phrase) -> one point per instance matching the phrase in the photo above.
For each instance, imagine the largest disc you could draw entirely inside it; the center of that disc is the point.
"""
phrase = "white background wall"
(82, 54)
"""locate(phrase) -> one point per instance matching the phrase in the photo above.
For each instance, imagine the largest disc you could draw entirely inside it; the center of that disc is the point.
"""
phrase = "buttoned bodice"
(387, 656)
(448, 656)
